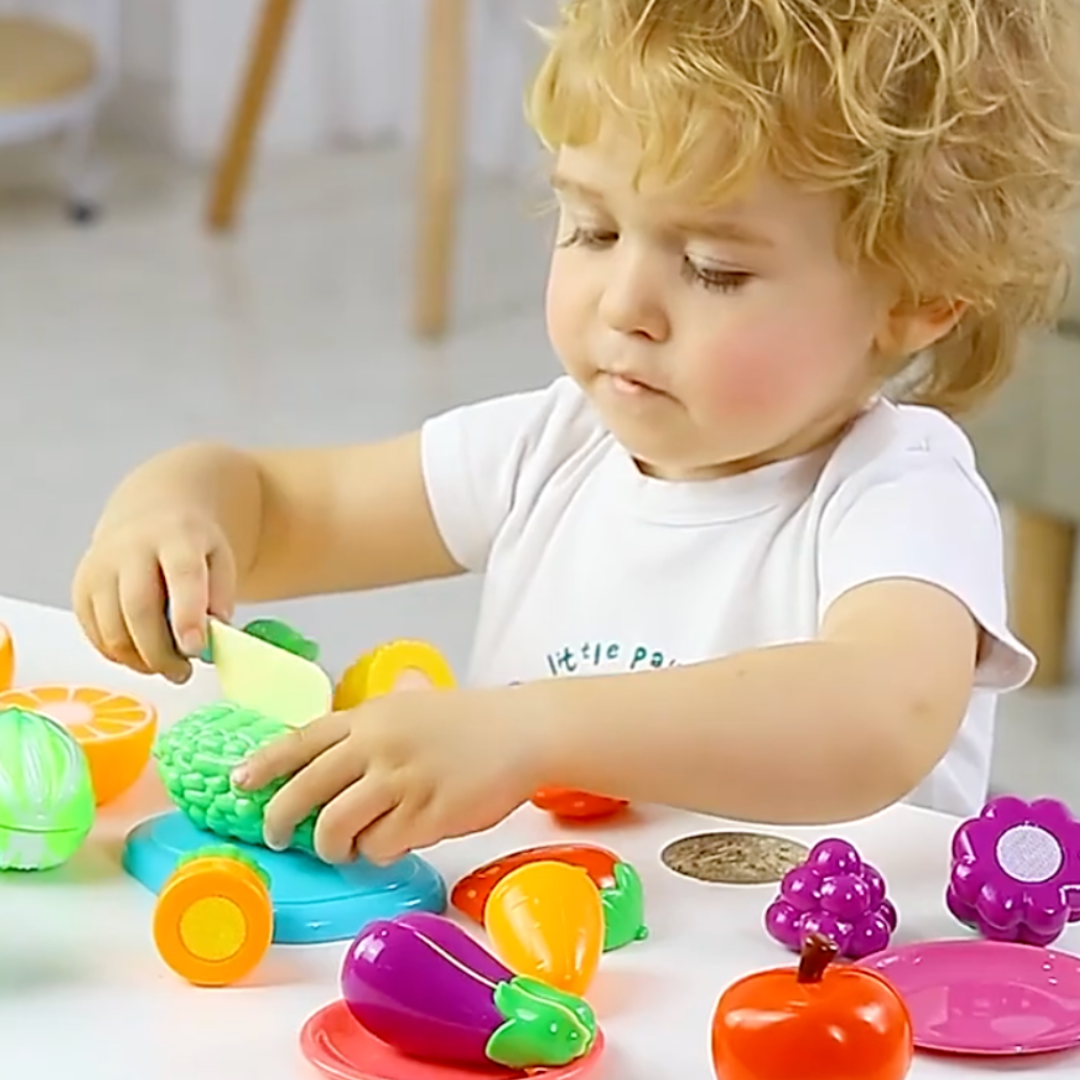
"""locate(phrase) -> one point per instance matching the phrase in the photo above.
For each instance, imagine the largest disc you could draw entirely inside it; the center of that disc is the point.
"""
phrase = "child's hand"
(400, 772)
(137, 565)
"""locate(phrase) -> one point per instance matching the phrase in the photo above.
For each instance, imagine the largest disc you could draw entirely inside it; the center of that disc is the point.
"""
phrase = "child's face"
(709, 342)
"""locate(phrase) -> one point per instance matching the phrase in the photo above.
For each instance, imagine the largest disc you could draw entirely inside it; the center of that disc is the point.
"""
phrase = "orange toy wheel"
(116, 731)
(398, 665)
(214, 921)
(7, 658)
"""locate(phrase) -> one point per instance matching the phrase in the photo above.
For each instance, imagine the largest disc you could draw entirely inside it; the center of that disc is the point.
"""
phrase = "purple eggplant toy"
(422, 985)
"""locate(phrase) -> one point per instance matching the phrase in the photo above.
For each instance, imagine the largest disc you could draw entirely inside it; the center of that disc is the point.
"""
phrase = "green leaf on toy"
(624, 909)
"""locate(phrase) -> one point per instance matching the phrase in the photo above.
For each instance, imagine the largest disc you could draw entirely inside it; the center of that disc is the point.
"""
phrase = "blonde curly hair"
(950, 128)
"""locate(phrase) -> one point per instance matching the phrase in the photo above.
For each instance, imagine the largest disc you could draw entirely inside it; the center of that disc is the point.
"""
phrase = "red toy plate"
(342, 1049)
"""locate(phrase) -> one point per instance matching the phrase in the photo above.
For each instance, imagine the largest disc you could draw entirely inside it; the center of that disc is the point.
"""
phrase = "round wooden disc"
(734, 858)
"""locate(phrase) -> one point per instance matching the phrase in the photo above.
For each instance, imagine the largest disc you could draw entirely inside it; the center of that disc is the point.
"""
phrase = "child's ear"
(912, 326)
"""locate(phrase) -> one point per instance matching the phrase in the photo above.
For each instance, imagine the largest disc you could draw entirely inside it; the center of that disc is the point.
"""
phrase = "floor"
(124, 337)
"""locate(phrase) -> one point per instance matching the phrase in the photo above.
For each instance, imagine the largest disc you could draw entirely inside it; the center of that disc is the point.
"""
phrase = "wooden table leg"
(445, 74)
(1042, 590)
(234, 163)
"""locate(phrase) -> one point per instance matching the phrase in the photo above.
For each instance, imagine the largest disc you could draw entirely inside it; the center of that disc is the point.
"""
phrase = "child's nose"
(631, 301)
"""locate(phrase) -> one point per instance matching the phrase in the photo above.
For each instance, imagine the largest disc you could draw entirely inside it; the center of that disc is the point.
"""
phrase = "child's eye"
(713, 278)
(589, 238)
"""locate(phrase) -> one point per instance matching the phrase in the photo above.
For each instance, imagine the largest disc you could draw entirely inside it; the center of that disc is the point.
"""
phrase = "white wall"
(211, 45)
(147, 29)
(351, 73)
(139, 107)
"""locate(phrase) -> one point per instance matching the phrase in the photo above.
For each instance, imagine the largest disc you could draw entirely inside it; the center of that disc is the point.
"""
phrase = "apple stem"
(818, 952)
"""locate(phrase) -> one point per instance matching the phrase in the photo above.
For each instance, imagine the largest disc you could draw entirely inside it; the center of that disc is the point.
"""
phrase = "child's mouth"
(627, 384)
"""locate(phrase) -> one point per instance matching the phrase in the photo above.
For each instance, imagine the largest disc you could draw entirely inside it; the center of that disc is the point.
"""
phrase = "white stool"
(54, 77)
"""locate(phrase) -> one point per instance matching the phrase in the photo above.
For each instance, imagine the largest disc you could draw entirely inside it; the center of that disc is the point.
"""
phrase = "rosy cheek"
(754, 376)
(777, 365)
(752, 384)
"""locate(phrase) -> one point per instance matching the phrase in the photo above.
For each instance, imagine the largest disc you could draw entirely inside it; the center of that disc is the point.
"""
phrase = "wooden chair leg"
(445, 73)
(234, 163)
(1042, 589)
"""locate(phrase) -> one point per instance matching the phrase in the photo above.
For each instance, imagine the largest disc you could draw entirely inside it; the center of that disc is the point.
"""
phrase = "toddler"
(722, 568)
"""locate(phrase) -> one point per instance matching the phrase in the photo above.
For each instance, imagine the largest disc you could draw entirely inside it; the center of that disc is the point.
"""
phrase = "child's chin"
(651, 460)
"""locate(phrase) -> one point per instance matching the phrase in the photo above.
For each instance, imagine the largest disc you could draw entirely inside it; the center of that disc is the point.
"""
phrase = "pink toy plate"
(986, 997)
(342, 1049)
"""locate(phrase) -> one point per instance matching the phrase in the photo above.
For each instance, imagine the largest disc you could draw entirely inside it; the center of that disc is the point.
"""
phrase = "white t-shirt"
(591, 567)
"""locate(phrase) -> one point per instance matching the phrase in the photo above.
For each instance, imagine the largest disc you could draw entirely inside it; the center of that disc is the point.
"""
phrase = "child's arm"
(343, 519)
(822, 731)
(203, 526)
(299, 521)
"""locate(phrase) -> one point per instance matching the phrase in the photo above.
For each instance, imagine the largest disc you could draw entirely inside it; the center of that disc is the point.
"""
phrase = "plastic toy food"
(275, 632)
(261, 676)
(621, 892)
(46, 798)
(397, 665)
(214, 919)
(116, 731)
(196, 757)
(7, 658)
(284, 637)
(546, 920)
(836, 894)
(814, 1022)
(422, 985)
(1016, 871)
(577, 805)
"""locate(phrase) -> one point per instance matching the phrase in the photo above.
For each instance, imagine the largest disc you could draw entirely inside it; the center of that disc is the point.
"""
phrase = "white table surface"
(84, 996)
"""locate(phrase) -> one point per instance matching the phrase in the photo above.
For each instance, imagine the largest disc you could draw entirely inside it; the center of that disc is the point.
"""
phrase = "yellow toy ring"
(382, 670)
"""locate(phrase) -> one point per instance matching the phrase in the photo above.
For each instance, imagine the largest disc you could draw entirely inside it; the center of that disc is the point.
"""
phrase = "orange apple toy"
(818, 1021)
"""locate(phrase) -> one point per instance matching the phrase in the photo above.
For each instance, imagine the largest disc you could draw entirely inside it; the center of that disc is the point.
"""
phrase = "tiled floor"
(139, 332)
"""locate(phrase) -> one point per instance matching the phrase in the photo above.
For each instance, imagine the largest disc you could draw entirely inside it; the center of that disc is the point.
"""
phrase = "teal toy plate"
(313, 901)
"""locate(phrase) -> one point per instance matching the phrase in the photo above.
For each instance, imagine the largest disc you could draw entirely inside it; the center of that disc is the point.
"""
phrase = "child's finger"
(290, 753)
(141, 601)
(82, 604)
(187, 588)
(312, 787)
(112, 631)
(221, 585)
(387, 839)
(364, 820)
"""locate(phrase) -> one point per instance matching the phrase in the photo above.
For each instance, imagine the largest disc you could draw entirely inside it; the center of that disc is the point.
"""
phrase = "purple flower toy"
(1016, 871)
(836, 894)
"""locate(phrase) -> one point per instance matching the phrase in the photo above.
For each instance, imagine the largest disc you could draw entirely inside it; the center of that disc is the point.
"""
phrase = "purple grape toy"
(1016, 871)
(836, 894)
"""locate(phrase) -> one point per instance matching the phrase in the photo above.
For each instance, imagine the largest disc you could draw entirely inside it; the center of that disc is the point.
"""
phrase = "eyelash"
(713, 280)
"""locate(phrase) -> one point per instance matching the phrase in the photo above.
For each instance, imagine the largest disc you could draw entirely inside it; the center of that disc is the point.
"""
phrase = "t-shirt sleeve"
(936, 523)
(482, 460)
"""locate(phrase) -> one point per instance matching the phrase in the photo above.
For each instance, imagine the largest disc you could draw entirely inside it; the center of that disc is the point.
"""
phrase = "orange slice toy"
(214, 919)
(116, 731)
(7, 658)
